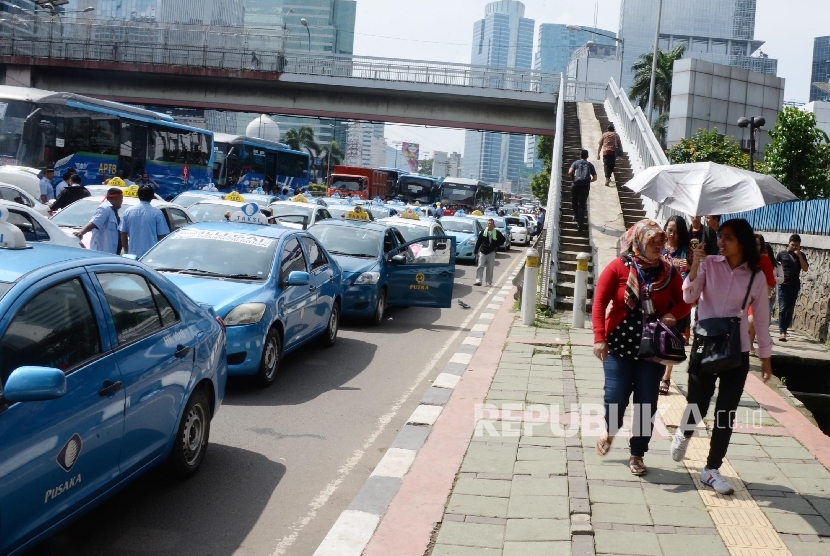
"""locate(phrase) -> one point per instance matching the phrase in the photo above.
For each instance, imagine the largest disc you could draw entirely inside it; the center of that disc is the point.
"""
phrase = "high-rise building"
(556, 44)
(365, 145)
(720, 31)
(821, 68)
(330, 22)
(503, 38)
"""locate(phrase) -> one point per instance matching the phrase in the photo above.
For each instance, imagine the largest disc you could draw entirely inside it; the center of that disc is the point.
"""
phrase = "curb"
(356, 525)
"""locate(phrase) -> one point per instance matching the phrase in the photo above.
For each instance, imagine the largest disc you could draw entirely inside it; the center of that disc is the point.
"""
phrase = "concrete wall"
(707, 95)
(822, 112)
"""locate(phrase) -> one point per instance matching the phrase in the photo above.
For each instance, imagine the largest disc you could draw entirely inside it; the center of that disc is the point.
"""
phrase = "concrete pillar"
(18, 76)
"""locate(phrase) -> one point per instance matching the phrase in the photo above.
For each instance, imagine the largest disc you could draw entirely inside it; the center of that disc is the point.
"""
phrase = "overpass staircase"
(571, 241)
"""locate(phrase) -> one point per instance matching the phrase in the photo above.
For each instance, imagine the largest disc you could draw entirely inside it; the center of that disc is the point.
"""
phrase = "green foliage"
(318, 187)
(664, 72)
(709, 146)
(425, 166)
(302, 139)
(540, 183)
(330, 156)
(799, 155)
(544, 149)
(661, 128)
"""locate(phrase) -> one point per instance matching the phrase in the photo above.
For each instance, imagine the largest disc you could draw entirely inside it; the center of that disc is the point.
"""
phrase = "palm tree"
(303, 139)
(661, 129)
(331, 155)
(663, 78)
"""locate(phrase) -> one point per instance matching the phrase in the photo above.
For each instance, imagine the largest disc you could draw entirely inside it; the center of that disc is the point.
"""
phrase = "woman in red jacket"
(639, 281)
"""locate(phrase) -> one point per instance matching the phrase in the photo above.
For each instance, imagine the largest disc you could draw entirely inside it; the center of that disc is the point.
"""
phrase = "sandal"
(664, 387)
(637, 467)
(604, 443)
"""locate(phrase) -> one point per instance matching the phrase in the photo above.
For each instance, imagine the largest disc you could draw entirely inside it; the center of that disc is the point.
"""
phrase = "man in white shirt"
(62, 185)
(104, 224)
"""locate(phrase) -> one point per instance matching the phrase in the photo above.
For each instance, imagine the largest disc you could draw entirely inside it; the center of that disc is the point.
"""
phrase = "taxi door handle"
(312, 288)
(446, 273)
(182, 351)
(110, 387)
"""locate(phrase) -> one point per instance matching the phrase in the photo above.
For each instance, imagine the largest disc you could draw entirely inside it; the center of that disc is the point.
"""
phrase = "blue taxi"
(275, 287)
(106, 370)
(381, 269)
(466, 232)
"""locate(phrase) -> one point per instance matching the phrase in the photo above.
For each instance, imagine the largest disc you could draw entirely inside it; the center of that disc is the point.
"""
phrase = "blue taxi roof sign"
(10, 235)
(249, 214)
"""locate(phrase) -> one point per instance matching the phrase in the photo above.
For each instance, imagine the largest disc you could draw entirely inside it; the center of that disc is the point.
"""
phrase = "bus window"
(133, 151)
(292, 165)
(252, 159)
(103, 136)
(11, 126)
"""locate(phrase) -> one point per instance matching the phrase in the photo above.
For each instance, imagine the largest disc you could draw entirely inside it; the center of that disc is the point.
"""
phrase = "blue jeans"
(787, 296)
(622, 378)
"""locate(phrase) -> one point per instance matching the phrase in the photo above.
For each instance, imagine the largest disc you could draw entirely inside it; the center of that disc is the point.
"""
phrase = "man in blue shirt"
(143, 225)
(46, 190)
(104, 224)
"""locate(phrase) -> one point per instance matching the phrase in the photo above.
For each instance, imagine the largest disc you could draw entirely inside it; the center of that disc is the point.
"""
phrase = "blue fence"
(800, 217)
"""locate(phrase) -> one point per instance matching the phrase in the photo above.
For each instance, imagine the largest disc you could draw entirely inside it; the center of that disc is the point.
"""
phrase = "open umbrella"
(704, 188)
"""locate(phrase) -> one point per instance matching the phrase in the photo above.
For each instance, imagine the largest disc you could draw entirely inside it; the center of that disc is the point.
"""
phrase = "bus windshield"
(416, 189)
(13, 114)
(248, 166)
(346, 184)
(458, 194)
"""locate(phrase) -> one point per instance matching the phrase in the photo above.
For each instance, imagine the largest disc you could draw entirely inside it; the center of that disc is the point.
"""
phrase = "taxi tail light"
(222, 324)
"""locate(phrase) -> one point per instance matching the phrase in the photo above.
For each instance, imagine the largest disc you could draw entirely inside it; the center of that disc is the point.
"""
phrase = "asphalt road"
(284, 462)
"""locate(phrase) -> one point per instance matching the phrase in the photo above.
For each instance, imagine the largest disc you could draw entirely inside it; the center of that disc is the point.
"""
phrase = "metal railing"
(550, 262)
(582, 91)
(242, 49)
(798, 217)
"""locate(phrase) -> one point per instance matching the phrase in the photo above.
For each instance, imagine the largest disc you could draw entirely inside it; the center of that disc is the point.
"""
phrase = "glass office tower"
(821, 68)
(720, 31)
(556, 43)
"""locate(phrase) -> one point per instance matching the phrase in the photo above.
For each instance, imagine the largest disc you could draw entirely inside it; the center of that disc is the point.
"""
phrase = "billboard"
(410, 156)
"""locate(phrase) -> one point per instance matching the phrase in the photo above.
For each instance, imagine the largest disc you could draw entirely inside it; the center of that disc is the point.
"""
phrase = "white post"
(530, 286)
(580, 290)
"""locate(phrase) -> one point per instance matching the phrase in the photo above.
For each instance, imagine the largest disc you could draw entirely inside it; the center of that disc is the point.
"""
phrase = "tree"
(663, 78)
(540, 183)
(331, 155)
(709, 146)
(661, 129)
(799, 155)
(302, 139)
(425, 166)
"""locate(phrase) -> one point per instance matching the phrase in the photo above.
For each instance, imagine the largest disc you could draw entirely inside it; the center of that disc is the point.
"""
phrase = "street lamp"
(753, 124)
(654, 61)
(619, 40)
(304, 23)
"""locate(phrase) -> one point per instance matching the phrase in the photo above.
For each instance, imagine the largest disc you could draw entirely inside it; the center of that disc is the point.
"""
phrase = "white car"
(78, 214)
(298, 215)
(414, 229)
(15, 194)
(519, 233)
(534, 225)
(37, 228)
(23, 177)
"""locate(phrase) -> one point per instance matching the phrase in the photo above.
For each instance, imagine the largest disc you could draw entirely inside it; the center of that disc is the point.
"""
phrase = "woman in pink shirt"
(719, 284)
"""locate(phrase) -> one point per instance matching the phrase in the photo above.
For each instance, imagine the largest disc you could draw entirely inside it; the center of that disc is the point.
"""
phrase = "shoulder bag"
(659, 343)
(717, 344)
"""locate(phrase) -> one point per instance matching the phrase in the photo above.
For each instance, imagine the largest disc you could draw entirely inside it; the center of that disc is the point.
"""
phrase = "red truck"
(364, 183)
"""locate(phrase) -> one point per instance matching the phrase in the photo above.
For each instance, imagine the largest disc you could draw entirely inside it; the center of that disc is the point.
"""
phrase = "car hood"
(353, 267)
(220, 294)
(460, 237)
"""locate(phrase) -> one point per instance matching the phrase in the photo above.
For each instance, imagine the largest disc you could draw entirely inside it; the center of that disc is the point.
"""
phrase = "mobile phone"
(695, 243)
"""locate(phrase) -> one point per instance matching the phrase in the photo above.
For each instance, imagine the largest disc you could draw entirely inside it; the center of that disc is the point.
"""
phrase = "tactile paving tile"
(739, 517)
(735, 551)
(751, 537)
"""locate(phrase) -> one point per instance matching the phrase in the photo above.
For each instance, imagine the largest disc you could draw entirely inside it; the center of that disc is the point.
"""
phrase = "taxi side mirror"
(34, 384)
(298, 278)
(398, 259)
(441, 245)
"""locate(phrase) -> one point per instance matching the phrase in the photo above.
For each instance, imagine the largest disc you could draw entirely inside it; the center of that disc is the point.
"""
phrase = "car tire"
(377, 318)
(330, 334)
(192, 434)
(269, 365)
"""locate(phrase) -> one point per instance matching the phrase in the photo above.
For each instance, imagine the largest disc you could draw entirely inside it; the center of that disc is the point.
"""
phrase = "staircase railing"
(550, 262)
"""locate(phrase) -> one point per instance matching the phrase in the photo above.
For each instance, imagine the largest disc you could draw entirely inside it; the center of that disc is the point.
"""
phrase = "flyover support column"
(17, 76)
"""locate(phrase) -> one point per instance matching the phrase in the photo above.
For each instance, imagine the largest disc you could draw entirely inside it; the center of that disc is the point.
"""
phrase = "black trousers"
(579, 202)
(701, 390)
(787, 298)
(609, 162)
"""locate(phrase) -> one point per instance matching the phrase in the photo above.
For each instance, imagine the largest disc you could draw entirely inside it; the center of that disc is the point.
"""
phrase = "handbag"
(717, 344)
(659, 343)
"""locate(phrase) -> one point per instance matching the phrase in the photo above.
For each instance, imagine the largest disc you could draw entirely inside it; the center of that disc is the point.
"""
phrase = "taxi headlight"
(471, 241)
(367, 278)
(247, 313)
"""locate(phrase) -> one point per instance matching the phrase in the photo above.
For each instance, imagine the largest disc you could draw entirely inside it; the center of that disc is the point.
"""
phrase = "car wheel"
(190, 444)
(269, 365)
(330, 335)
(377, 318)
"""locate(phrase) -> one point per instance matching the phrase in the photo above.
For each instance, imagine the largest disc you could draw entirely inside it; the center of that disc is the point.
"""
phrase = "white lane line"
(494, 306)
(425, 415)
(395, 463)
(486, 316)
(349, 535)
(323, 497)
(446, 380)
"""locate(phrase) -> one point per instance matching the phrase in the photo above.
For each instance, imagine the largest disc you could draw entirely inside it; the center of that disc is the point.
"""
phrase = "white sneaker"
(679, 444)
(712, 478)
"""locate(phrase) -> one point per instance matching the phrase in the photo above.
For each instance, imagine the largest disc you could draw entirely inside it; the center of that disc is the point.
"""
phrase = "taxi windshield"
(461, 226)
(348, 241)
(292, 213)
(346, 185)
(261, 200)
(211, 212)
(187, 199)
(77, 214)
(411, 233)
(214, 254)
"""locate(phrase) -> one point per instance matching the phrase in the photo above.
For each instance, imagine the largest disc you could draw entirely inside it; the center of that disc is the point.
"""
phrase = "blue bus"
(245, 163)
(101, 140)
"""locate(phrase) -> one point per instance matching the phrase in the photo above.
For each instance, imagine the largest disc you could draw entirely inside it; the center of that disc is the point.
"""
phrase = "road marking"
(425, 415)
(479, 328)
(486, 316)
(323, 497)
(350, 533)
(471, 341)
(395, 463)
(462, 358)
(446, 380)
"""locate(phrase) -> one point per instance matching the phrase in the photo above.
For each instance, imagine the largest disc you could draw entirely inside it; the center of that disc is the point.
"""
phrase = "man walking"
(540, 222)
(143, 225)
(582, 173)
(70, 194)
(794, 262)
(104, 224)
(62, 185)
(46, 190)
(607, 152)
(488, 243)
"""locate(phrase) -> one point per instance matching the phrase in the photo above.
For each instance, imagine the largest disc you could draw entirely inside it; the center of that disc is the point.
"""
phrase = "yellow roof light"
(234, 196)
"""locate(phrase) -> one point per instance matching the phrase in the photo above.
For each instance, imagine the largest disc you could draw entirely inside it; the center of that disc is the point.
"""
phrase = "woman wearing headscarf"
(639, 282)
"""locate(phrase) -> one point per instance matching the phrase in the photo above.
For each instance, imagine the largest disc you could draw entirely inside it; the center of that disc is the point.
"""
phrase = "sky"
(441, 30)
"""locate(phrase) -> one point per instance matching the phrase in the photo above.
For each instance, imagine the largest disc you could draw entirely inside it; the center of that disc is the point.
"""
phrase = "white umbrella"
(703, 188)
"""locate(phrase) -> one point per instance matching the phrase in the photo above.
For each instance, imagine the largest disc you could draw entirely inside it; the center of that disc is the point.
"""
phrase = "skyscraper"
(556, 43)
(720, 31)
(503, 38)
(821, 68)
(330, 22)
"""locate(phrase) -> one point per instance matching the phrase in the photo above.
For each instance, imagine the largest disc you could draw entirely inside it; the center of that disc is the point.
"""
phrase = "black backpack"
(582, 173)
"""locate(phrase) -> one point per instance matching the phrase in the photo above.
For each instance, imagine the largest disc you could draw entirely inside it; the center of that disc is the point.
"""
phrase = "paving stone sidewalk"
(528, 487)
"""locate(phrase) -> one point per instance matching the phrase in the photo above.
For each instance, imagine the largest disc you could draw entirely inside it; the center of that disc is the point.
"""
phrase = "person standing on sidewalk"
(640, 280)
(677, 252)
(720, 284)
(582, 173)
(607, 152)
(794, 263)
(540, 222)
(488, 243)
(768, 268)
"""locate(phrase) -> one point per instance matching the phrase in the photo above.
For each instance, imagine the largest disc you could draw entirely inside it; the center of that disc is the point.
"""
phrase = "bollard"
(530, 286)
(580, 289)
